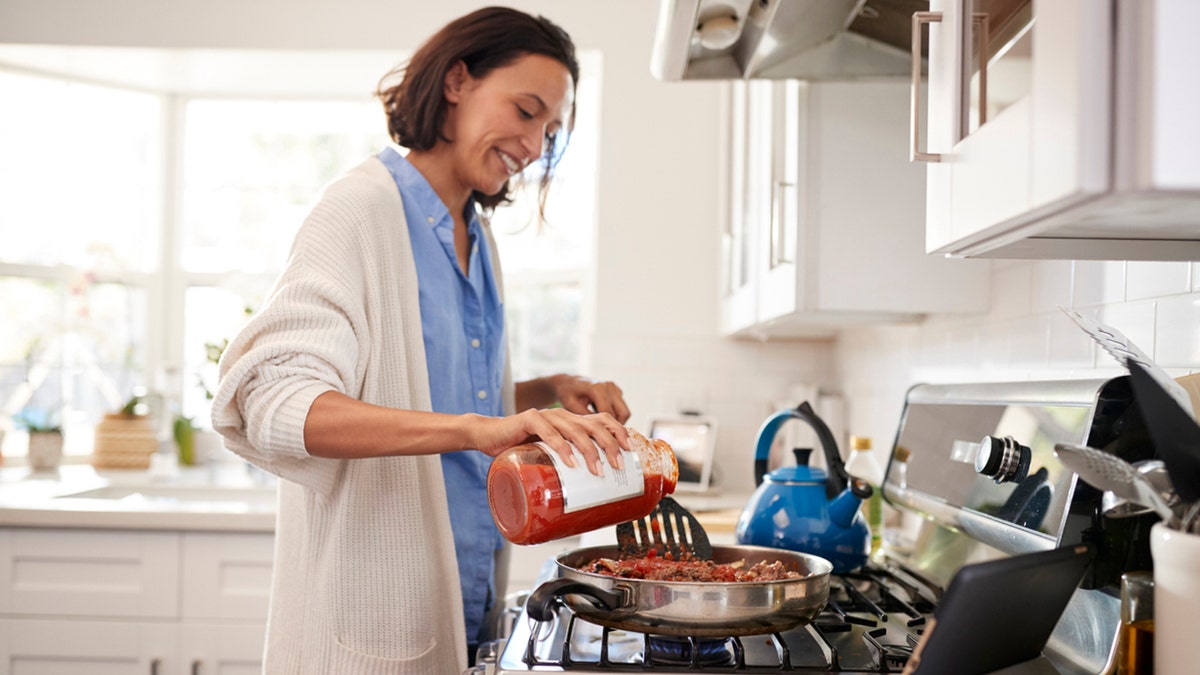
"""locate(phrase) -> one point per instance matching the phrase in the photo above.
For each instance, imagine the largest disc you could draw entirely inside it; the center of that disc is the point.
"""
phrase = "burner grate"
(870, 624)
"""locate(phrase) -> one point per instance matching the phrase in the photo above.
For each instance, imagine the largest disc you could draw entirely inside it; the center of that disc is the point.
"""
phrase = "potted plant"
(125, 439)
(185, 439)
(45, 438)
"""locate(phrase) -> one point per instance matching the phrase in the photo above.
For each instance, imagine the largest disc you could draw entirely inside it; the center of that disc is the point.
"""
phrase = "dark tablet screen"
(998, 613)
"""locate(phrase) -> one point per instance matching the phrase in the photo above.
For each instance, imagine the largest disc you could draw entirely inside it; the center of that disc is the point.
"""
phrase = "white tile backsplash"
(1052, 285)
(1098, 282)
(1023, 335)
(1148, 280)
(1011, 290)
(739, 382)
(1177, 331)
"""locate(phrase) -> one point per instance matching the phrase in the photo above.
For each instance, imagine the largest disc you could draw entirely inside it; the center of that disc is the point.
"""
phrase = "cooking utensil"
(800, 508)
(1109, 472)
(698, 609)
(1155, 473)
(1175, 433)
(1126, 353)
(669, 527)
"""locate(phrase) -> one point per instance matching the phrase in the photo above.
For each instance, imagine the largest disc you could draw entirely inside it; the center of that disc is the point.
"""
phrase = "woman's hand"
(559, 428)
(576, 394)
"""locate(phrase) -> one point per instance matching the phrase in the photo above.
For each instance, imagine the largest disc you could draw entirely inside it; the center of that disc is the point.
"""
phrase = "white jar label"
(582, 489)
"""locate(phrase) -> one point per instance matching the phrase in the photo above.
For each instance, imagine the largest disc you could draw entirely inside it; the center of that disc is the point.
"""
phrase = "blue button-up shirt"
(463, 323)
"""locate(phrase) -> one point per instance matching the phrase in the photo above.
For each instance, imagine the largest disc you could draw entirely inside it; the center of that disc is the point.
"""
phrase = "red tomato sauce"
(527, 504)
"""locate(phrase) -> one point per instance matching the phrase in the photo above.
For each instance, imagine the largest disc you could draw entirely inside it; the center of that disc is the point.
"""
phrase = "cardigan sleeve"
(304, 342)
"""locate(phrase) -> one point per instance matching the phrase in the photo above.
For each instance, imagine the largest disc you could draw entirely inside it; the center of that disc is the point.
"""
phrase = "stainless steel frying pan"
(700, 609)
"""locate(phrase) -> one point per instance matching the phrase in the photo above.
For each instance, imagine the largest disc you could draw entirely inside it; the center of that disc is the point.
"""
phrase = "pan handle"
(540, 605)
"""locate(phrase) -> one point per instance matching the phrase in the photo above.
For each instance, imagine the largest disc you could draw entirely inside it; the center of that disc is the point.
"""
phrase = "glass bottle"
(864, 463)
(1135, 642)
(535, 497)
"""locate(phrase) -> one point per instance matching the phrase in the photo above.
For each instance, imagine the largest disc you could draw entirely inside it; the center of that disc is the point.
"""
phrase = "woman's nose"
(535, 142)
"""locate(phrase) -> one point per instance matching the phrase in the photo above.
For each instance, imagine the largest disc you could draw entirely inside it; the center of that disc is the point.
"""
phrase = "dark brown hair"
(484, 40)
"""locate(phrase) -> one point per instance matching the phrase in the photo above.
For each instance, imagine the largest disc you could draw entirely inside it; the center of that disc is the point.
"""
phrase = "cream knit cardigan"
(365, 579)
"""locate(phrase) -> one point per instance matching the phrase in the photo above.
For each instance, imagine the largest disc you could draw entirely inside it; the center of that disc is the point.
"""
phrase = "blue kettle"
(801, 508)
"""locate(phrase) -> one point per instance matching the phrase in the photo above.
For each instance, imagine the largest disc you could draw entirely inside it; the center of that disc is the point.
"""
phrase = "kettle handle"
(838, 477)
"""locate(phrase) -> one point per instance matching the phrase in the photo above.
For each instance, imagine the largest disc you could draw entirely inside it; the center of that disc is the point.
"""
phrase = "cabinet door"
(751, 184)
(210, 649)
(44, 647)
(89, 572)
(738, 310)
(226, 575)
(1022, 119)
(782, 287)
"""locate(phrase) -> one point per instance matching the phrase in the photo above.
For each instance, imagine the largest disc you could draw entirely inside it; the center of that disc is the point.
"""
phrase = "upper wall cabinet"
(826, 216)
(1062, 129)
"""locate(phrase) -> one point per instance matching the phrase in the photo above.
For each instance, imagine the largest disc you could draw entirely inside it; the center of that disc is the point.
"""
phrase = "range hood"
(782, 39)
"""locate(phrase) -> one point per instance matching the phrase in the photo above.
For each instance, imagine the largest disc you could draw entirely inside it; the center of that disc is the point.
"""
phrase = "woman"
(383, 346)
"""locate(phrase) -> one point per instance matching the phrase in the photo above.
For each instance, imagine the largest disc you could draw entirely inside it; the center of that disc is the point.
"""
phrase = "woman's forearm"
(537, 393)
(341, 427)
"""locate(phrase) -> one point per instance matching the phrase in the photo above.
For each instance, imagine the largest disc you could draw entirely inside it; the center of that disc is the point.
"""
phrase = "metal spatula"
(669, 528)
(1109, 472)
(1175, 434)
(1127, 354)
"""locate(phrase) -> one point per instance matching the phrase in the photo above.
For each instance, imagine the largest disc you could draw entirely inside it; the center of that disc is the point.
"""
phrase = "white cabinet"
(89, 573)
(826, 220)
(221, 649)
(1063, 129)
(226, 575)
(122, 601)
(92, 647)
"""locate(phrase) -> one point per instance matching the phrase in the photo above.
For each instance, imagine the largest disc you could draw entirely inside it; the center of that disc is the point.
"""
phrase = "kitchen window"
(142, 226)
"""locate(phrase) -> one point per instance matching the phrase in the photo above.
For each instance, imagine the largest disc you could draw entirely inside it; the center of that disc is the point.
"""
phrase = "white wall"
(654, 329)
(1024, 336)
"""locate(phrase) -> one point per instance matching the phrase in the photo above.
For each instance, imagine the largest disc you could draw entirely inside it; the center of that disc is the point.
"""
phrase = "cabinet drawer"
(109, 647)
(226, 576)
(88, 573)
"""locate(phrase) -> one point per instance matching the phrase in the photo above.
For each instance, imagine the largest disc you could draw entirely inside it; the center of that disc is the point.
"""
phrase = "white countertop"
(223, 497)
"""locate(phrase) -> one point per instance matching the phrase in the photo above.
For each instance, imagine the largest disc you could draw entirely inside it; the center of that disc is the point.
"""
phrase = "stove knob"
(1002, 459)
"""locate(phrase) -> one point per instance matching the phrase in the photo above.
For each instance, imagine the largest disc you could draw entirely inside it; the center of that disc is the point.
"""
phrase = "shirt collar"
(414, 186)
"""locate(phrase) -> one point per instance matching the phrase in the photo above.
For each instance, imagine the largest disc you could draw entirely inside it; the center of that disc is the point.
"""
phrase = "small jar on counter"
(535, 497)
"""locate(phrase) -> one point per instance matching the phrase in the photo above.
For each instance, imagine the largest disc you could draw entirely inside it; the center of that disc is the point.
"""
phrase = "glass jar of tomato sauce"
(535, 497)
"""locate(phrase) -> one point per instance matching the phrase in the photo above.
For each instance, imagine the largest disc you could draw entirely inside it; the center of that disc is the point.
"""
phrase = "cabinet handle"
(980, 24)
(154, 666)
(778, 255)
(915, 154)
(196, 666)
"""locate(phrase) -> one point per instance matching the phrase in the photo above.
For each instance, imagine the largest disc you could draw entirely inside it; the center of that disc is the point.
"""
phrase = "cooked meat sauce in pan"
(654, 568)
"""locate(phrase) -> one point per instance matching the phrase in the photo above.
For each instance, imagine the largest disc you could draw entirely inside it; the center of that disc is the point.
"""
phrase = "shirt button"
(482, 394)
(429, 219)
(475, 343)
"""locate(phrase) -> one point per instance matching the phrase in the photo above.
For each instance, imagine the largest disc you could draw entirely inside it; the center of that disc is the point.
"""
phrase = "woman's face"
(502, 122)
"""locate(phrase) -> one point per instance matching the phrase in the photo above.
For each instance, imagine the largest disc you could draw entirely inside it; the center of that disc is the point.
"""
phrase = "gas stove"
(964, 503)
(870, 624)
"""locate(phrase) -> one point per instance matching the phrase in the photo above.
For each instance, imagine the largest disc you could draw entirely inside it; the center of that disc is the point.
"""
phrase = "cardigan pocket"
(431, 661)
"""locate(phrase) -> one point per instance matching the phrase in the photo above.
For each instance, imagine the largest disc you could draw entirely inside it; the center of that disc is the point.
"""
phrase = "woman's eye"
(525, 114)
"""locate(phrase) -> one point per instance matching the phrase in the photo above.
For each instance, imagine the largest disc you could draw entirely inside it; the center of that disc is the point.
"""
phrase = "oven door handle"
(541, 603)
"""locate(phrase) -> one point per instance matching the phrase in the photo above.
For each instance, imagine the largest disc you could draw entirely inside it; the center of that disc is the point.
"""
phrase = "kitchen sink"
(177, 494)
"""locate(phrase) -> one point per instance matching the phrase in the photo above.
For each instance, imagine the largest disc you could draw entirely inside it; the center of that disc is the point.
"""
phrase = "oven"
(974, 478)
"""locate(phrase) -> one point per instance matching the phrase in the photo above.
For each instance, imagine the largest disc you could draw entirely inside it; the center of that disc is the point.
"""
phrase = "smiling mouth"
(512, 165)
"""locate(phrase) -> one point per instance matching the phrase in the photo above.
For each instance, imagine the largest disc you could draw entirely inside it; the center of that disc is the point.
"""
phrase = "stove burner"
(684, 651)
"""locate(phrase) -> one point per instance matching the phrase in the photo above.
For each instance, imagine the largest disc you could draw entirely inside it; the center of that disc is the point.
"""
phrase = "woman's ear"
(456, 82)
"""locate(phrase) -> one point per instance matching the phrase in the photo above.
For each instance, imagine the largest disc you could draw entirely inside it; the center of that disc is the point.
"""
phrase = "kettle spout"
(844, 507)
